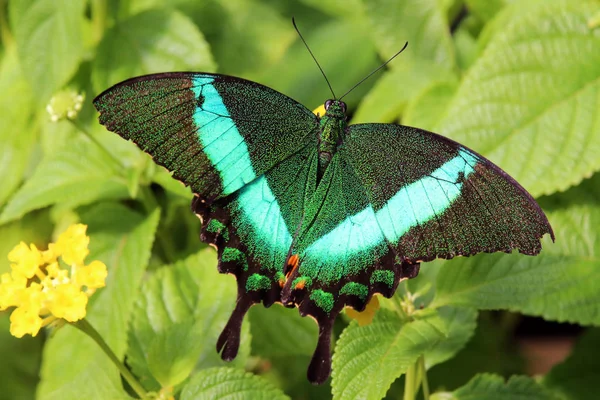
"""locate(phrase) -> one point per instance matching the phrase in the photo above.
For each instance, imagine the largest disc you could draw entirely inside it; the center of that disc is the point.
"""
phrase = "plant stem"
(7, 38)
(85, 327)
(424, 383)
(409, 383)
(98, 19)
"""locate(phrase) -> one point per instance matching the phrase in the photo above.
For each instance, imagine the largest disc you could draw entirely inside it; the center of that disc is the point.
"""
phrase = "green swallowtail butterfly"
(310, 211)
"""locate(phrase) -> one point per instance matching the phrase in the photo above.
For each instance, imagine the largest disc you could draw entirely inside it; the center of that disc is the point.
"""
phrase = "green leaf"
(77, 174)
(21, 358)
(467, 49)
(395, 89)
(342, 8)
(278, 331)
(333, 43)
(578, 377)
(428, 108)
(429, 57)
(49, 39)
(220, 383)
(241, 46)
(17, 134)
(368, 359)
(486, 9)
(73, 365)
(493, 387)
(492, 340)
(189, 301)
(164, 178)
(559, 284)
(543, 105)
(460, 325)
(421, 23)
(152, 41)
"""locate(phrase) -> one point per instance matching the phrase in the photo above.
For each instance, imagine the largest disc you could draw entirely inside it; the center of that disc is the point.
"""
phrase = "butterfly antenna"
(314, 58)
(375, 70)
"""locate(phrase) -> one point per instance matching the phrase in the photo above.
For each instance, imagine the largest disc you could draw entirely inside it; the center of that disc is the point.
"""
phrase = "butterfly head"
(335, 108)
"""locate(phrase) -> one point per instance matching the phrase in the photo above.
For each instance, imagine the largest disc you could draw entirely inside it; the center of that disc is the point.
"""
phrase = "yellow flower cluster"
(41, 290)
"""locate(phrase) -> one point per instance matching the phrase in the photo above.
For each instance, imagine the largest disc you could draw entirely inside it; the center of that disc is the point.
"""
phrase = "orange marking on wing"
(292, 262)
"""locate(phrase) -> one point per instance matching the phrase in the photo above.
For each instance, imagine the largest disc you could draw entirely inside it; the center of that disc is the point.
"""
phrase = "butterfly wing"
(443, 200)
(215, 133)
(246, 151)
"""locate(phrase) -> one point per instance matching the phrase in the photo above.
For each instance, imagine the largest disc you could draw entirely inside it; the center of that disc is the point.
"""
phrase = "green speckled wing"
(440, 199)
(215, 133)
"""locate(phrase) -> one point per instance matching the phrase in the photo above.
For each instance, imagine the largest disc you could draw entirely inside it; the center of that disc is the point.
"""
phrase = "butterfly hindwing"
(442, 200)
(253, 230)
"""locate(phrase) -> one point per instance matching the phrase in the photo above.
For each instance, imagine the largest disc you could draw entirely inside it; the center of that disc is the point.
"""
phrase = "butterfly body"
(310, 211)
(333, 126)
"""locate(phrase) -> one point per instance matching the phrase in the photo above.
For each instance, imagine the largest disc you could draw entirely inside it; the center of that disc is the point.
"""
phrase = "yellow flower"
(67, 302)
(41, 290)
(10, 287)
(91, 276)
(24, 321)
(26, 259)
(72, 245)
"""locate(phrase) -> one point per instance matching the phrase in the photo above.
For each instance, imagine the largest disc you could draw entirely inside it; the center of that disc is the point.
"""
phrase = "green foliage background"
(517, 81)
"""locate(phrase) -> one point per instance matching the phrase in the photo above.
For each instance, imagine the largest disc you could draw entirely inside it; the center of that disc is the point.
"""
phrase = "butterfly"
(312, 212)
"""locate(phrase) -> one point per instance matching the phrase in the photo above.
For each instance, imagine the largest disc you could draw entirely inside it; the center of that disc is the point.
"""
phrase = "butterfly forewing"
(215, 133)
(435, 198)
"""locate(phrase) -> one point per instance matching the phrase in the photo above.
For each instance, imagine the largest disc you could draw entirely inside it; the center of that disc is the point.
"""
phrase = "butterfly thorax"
(333, 127)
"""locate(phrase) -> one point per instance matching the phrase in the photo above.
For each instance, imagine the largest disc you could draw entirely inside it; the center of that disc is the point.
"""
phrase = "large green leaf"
(578, 377)
(421, 23)
(428, 107)
(486, 9)
(342, 51)
(429, 57)
(460, 325)
(493, 387)
(49, 38)
(368, 359)
(73, 365)
(559, 284)
(17, 134)
(348, 8)
(221, 383)
(241, 46)
(152, 41)
(492, 340)
(535, 89)
(75, 175)
(396, 88)
(279, 331)
(179, 315)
